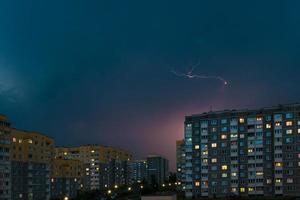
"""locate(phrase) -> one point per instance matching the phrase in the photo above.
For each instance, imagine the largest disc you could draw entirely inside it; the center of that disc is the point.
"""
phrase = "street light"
(66, 198)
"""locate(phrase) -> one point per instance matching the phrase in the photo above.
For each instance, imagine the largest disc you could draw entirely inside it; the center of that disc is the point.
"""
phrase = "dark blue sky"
(99, 71)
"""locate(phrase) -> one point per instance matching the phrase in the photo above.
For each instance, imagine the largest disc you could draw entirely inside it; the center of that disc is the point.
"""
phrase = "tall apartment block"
(243, 152)
(115, 173)
(180, 161)
(66, 178)
(31, 159)
(137, 171)
(5, 163)
(158, 170)
(95, 158)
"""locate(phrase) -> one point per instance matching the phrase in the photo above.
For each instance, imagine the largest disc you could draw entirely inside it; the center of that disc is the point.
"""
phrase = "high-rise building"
(243, 152)
(95, 158)
(66, 178)
(5, 163)
(31, 159)
(138, 171)
(158, 170)
(180, 161)
(114, 174)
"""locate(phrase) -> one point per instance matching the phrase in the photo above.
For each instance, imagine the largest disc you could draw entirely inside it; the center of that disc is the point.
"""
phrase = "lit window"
(290, 131)
(269, 181)
(268, 126)
(289, 123)
(259, 173)
(250, 150)
(197, 147)
(14, 140)
(214, 160)
(224, 167)
(298, 130)
(224, 137)
(278, 180)
(214, 129)
(197, 184)
(242, 120)
(214, 145)
(93, 151)
(290, 180)
(224, 175)
(278, 164)
(259, 119)
(234, 174)
(205, 153)
(277, 124)
(242, 190)
(250, 189)
(204, 161)
(30, 141)
(233, 190)
(20, 141)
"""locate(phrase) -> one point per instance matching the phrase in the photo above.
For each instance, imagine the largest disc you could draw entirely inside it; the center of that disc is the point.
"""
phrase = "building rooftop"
(243, 111)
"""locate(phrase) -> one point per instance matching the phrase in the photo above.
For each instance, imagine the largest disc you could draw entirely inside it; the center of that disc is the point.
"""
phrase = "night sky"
(99, 71)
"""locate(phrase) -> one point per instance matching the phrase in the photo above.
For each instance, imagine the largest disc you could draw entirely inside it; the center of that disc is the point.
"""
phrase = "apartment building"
(31, 159)
(5, 163)
(243, 152)
(180, 161)
(138, 171)
(66, 178)
(95, 159)
(157, 170)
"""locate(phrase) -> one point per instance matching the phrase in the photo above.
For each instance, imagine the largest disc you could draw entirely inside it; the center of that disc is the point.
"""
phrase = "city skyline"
(102, 72)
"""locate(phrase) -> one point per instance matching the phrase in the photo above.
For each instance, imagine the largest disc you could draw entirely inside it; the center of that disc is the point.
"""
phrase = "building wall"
(5, 163)
(245, 153)
(32, 156)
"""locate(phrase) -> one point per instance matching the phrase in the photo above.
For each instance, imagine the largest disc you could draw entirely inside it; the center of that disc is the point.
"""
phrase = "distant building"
(5, 162)
(66, 178)
(114, 174)
(180, 161)
(158, 169)
(95, 159)
(138, 171)
(31, 156)
(243, 152)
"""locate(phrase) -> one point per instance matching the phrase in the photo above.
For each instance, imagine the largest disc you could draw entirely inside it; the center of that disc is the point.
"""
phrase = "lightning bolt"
(190, 75)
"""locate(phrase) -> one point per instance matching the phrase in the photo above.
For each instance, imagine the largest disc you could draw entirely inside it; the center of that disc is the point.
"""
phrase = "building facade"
(158, 170)
(137, 171)
(5, 162)
(243, 153)
(31, 160)
(95, 159)
(180, 161)
(66, 178)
